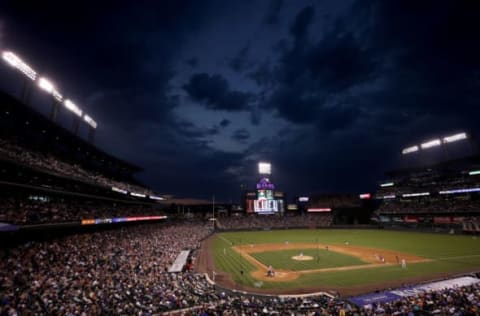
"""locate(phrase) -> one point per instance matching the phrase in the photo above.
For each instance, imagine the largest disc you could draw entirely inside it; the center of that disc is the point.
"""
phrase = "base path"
(375, 258)
(206, 264)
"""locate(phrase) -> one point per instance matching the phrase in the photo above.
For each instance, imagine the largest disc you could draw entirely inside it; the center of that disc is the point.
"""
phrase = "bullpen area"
(346, 261)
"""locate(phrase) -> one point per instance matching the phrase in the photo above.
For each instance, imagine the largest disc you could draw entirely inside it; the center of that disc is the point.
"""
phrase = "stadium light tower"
(264, 168)
(454, 138)
(29, 75)
(93, 127)
(16, 62)
(75, 110)
(431, 143)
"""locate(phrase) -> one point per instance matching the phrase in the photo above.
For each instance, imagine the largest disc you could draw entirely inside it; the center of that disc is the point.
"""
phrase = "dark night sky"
(197, 92)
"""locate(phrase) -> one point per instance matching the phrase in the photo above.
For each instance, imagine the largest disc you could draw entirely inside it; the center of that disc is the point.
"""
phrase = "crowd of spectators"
(429, 205)
(254, 221)
(123, 272)
(43, 209)
(48, 162)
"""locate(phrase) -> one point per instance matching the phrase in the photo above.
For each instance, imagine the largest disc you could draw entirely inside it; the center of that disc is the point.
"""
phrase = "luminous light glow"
(460, 191)
(90, 121)
(365, 196)
(303, 199)
(454, 138)
(137, 194)
(15, 61)
(387, 197)
(474, 172)
(387, 184)
(416, 194)
(264, 168)
(119, 190)
(321, 209)
(57, 96)
(46, 85)
(431, 143)
(158, 198)
(73, 107)
(409, 150)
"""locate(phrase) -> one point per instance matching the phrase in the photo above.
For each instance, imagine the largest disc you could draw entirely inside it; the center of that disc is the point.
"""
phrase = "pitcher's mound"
(302, 258)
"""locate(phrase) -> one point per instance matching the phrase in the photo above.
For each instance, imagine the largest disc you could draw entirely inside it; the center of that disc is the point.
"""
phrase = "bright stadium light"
(158, 198)
(15, 61)
(416, 194)
(115, 189)
(387, 197)
(90, 121)
(431, 143)
(409, 150)
(46, 85)
(474, 173)
(73, 107)
(387, 184)
(57, 95)
(454, 138)
(468, 190)
(137, 194)
(264, 168)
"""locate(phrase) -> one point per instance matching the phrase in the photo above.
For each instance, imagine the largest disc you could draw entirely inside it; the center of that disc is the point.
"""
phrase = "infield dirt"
(372, 256)
(206, 264)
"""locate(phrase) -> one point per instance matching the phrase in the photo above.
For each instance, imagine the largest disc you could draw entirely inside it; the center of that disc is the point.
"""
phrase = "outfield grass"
(321, 259)
(449, 254)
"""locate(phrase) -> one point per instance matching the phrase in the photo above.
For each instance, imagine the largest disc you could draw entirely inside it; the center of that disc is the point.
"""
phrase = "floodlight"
(15, 61)
(303, 199)
(431, 143)
(409, 150)
(264, 168)
(137, 194)
(416, 194)
(46, 85)
(90, 121)
(73, 107)
(57, 95)
(468, 190)
(387, 184)
(454, 138)
(365, 196)
(474, 173)
(158, 198)
(386, 197)
(115, 189)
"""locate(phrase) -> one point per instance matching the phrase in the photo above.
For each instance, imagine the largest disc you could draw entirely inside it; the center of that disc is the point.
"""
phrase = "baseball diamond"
(347, 261)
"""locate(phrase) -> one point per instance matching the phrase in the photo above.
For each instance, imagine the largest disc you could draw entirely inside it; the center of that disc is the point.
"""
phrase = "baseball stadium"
(83, 232)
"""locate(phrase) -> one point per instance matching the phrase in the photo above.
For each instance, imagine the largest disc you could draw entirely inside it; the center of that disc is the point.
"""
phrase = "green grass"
(321, 259)
(449, 254)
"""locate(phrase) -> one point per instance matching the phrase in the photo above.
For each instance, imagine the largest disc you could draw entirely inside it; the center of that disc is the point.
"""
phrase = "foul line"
(225, 239)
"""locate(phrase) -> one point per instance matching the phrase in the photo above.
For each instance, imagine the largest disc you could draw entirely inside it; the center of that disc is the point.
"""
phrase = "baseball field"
(347, 261)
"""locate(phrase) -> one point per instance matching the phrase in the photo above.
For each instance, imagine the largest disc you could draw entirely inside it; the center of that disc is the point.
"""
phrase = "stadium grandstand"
(444, 194)
(80, 236)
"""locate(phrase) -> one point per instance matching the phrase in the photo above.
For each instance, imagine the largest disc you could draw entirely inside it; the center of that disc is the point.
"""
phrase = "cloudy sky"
(197, 92)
